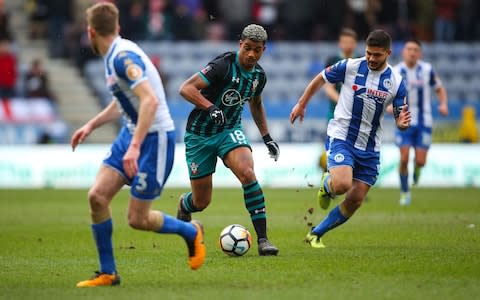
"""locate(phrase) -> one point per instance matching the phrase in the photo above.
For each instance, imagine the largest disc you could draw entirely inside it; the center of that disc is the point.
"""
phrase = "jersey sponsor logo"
(134, 72)
(231, 97)
(378, 96)
(339, 157)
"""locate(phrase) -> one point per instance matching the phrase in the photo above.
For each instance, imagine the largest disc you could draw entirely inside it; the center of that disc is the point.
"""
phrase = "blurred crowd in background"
(307, 20)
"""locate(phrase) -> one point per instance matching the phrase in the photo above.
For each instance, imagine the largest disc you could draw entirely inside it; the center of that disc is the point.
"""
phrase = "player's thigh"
(200, 154)
(154, 165)
(201, 191)
(107, 183)
(240, 161)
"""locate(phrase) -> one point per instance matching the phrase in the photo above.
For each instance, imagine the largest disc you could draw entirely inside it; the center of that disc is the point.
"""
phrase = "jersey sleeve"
(335, 73)
(400, 99)
(130, 67)
(214, 71)
(434, 80)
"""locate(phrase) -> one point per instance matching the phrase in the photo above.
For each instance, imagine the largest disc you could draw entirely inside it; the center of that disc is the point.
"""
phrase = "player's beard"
(378, 66)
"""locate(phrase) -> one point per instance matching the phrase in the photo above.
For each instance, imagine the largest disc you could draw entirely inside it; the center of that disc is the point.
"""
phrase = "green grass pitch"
(429, 250)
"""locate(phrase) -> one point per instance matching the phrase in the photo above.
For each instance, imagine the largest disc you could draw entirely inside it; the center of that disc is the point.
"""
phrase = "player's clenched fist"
(217, 115)
(404, 118)
(80, 135)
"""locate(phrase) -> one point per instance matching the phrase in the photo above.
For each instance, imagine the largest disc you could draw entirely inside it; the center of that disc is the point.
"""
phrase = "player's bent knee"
(341, 187)
(247, 175)
(97, 200)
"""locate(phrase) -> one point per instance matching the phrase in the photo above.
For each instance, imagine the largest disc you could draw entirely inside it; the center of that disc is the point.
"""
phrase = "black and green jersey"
(229, 87)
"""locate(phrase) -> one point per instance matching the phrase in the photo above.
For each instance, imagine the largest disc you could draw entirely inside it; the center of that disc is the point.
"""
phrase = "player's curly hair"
(255, 33)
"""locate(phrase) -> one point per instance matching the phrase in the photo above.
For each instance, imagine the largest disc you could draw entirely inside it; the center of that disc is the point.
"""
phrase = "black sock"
(255, 204)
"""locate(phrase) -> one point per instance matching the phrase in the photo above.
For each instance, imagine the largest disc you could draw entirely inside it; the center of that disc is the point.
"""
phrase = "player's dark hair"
(379, 38)
(349, 32)
(415, 41)
(103, 18)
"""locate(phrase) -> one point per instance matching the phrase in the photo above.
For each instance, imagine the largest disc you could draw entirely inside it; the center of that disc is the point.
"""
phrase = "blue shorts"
(365, 164)
(154, 164)
(414, 136)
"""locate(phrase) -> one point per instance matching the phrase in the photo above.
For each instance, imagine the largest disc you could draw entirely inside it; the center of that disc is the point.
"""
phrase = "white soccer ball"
(235, 240)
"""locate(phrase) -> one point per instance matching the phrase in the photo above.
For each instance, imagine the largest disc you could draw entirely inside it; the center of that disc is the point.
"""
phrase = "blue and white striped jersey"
(420, 80)
(126, 65)
(363, 98)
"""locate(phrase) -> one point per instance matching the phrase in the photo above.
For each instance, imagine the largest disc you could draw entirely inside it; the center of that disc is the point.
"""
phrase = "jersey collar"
(112, 46)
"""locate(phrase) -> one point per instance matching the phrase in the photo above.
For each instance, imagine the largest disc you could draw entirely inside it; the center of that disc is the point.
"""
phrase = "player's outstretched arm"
(146, 114)
(108, 114)
(298, 111)
(442, 97)
(259, 116)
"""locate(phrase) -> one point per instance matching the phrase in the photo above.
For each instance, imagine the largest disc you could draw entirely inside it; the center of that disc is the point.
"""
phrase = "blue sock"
(171, 225)
(334, 219)
(102, 234)
(404, 182)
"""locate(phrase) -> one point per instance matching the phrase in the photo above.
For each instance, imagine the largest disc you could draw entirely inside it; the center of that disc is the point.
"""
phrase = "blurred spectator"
(298, 17)
(36, 82)
(235, 14)
(446, 12)
(266, 13)
(159, 20)
(467, 23)
(133, 23)
(189, 19)
(424, 19)
(361, 16)
(8, 67)
(59, 15)
(38, 15)
(215, 32)
(4, 22)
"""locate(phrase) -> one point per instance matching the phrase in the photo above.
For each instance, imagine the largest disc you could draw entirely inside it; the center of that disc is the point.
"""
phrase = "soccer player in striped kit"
(421, 82)
(142, 154)
(214, 128)
(370, 84)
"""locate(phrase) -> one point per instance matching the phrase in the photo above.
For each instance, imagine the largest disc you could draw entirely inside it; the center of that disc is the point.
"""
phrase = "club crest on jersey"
(339, 157)
(387, 83)
(134, 72)
(254, 84)
(194, 168)
(231, 97)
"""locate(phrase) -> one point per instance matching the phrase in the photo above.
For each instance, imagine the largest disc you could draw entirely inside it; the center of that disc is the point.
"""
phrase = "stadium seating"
(290, 66)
